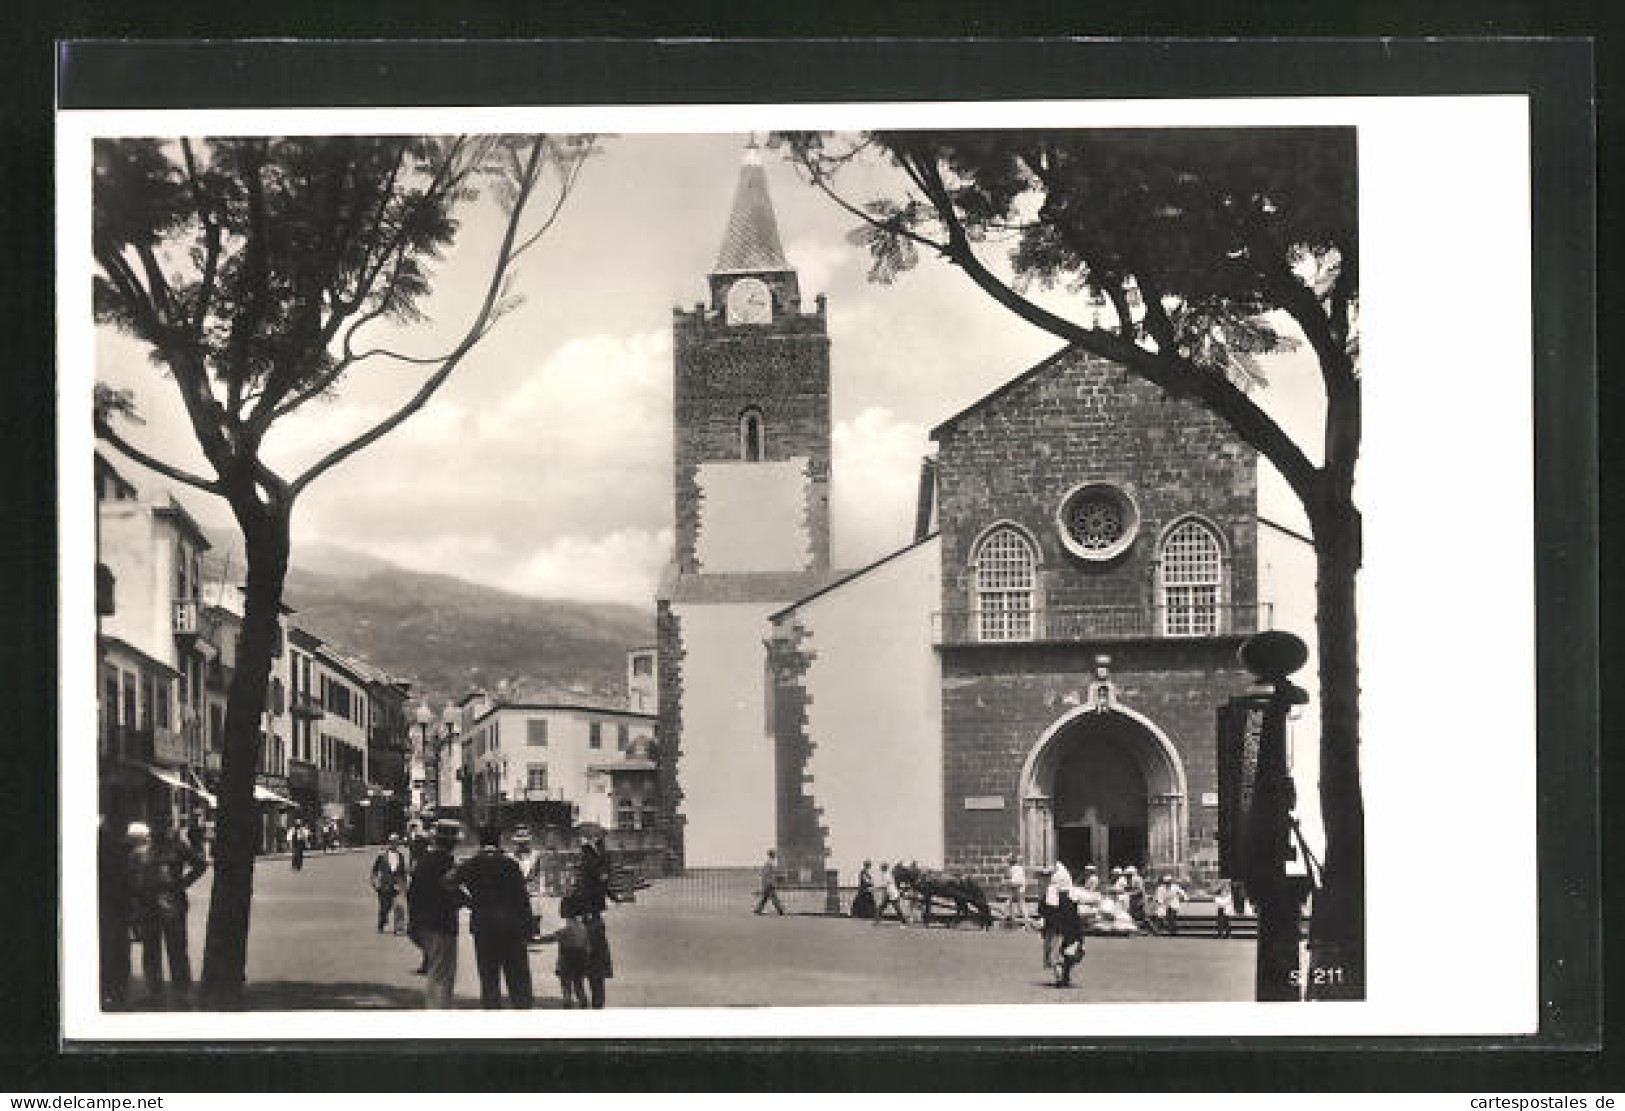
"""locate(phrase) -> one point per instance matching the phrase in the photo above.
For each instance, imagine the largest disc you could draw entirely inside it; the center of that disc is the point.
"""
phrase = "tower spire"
(751, 242)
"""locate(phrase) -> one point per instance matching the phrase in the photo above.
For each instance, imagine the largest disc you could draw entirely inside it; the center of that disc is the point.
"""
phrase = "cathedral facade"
(1037, 673)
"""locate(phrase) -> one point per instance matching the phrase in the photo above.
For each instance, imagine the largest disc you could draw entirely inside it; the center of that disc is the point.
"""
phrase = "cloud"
(876, 482)
(507, 478)
(622, 566)
(820, 263)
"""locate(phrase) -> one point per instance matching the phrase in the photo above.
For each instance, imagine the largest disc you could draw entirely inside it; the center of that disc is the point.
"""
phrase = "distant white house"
(591, 757)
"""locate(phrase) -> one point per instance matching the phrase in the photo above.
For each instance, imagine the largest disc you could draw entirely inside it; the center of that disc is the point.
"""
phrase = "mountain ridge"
(448, 635)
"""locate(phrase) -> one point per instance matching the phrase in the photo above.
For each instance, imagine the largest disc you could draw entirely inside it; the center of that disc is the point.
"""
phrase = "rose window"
(1097, 521)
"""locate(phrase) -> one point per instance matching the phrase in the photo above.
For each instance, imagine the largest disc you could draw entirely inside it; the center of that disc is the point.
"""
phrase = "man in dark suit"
(499, 919)
(389, 876)
(432, 903)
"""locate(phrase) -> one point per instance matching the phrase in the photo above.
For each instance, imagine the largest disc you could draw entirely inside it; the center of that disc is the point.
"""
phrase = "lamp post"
(1267, 838)
(424, 718)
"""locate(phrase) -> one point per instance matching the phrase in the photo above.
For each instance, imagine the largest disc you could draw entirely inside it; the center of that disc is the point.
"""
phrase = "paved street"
(313, 945)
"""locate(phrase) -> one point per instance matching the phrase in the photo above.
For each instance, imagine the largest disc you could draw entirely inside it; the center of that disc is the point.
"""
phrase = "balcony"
(136, 744)
(306, 705)
(169, 746)
(185, 617)
(1093, 624)
(218, 675)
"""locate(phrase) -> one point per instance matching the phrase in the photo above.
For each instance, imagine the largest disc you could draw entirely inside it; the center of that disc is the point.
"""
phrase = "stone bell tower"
(751, 478)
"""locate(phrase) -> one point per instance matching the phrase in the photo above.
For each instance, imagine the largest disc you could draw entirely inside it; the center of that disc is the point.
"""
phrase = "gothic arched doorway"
(1103, 788)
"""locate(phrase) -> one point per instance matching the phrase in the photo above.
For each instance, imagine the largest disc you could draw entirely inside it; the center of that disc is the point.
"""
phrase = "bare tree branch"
(820, 179)
(1162, 368)
(211, 233)
(566, 186)
(168, 470)
(475, 333)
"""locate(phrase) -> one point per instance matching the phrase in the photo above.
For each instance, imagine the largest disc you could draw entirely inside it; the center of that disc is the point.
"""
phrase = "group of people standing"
(1124, 904)
(503, 893)
(877, 896)
(145, 870)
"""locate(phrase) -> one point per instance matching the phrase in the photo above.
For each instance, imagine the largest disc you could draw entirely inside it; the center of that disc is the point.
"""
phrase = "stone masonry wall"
(1084, 419)
(998, 702)
(669, 729)
(781, 369)
(1077, 419)
(803, 839)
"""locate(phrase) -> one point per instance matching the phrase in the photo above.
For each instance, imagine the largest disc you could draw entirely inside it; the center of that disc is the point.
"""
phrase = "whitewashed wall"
(726, 766)
(1286, 580)
(753, 517)
(875, 717)
(140, 553)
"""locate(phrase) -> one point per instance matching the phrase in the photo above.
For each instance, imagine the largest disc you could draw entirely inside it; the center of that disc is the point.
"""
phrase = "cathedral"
(1038, 672)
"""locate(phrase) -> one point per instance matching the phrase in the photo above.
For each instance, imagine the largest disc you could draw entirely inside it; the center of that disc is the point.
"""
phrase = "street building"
(587, 762)
(1038, 671)
(152, 657)
(223, 623)
(642, 680)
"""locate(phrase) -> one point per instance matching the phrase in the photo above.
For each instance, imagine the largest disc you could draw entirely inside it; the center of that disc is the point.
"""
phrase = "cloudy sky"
(543, 466)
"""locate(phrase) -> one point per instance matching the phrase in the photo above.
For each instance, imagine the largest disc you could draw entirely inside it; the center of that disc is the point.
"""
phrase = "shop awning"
(173, 779)
(179, 782)
(265, 794)
(203, 792)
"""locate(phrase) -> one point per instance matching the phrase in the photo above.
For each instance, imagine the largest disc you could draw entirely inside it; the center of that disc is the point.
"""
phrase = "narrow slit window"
(750, 436)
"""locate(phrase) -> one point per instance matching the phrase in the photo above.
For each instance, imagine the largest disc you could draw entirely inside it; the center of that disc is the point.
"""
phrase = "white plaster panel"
(1286, 582)
(129, 545)
(726, 766)
(875, 717)
(753, 517)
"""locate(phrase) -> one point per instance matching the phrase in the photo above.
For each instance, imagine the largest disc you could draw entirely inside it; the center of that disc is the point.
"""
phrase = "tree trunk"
(1337, 932)
(225, 954)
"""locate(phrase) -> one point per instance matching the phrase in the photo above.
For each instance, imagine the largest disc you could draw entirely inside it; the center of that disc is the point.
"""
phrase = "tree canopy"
(1195, 238)
(251, 266)
(1205, 243)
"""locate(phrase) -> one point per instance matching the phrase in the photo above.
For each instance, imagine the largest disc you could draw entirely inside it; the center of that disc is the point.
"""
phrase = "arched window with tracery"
(750, 435)
(1005, 583)
(1192, 581)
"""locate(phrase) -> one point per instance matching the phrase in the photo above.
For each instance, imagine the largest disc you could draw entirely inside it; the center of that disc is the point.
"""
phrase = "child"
(1224, 905)
(573, 949)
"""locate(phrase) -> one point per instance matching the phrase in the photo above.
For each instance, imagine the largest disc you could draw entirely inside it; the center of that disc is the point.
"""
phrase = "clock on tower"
(750, 302)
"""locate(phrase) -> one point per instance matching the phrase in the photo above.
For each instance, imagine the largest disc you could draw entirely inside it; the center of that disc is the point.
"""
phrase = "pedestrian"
(1224, 905)
(1049, 916)
(164, 867)
(1015, 893)
(1087, 896)
(389, 877)
(499, 919)
(1061, 876)
(1069, 930)
(418, 843)
(592, 892)
(575, 949)
(891, 895)
(863, 903)
(299, 842)
(530, 866)
(770, 884)
(432, 902)
(113, 899)
(1170, 897)
(1136, 897)
(196, 838)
